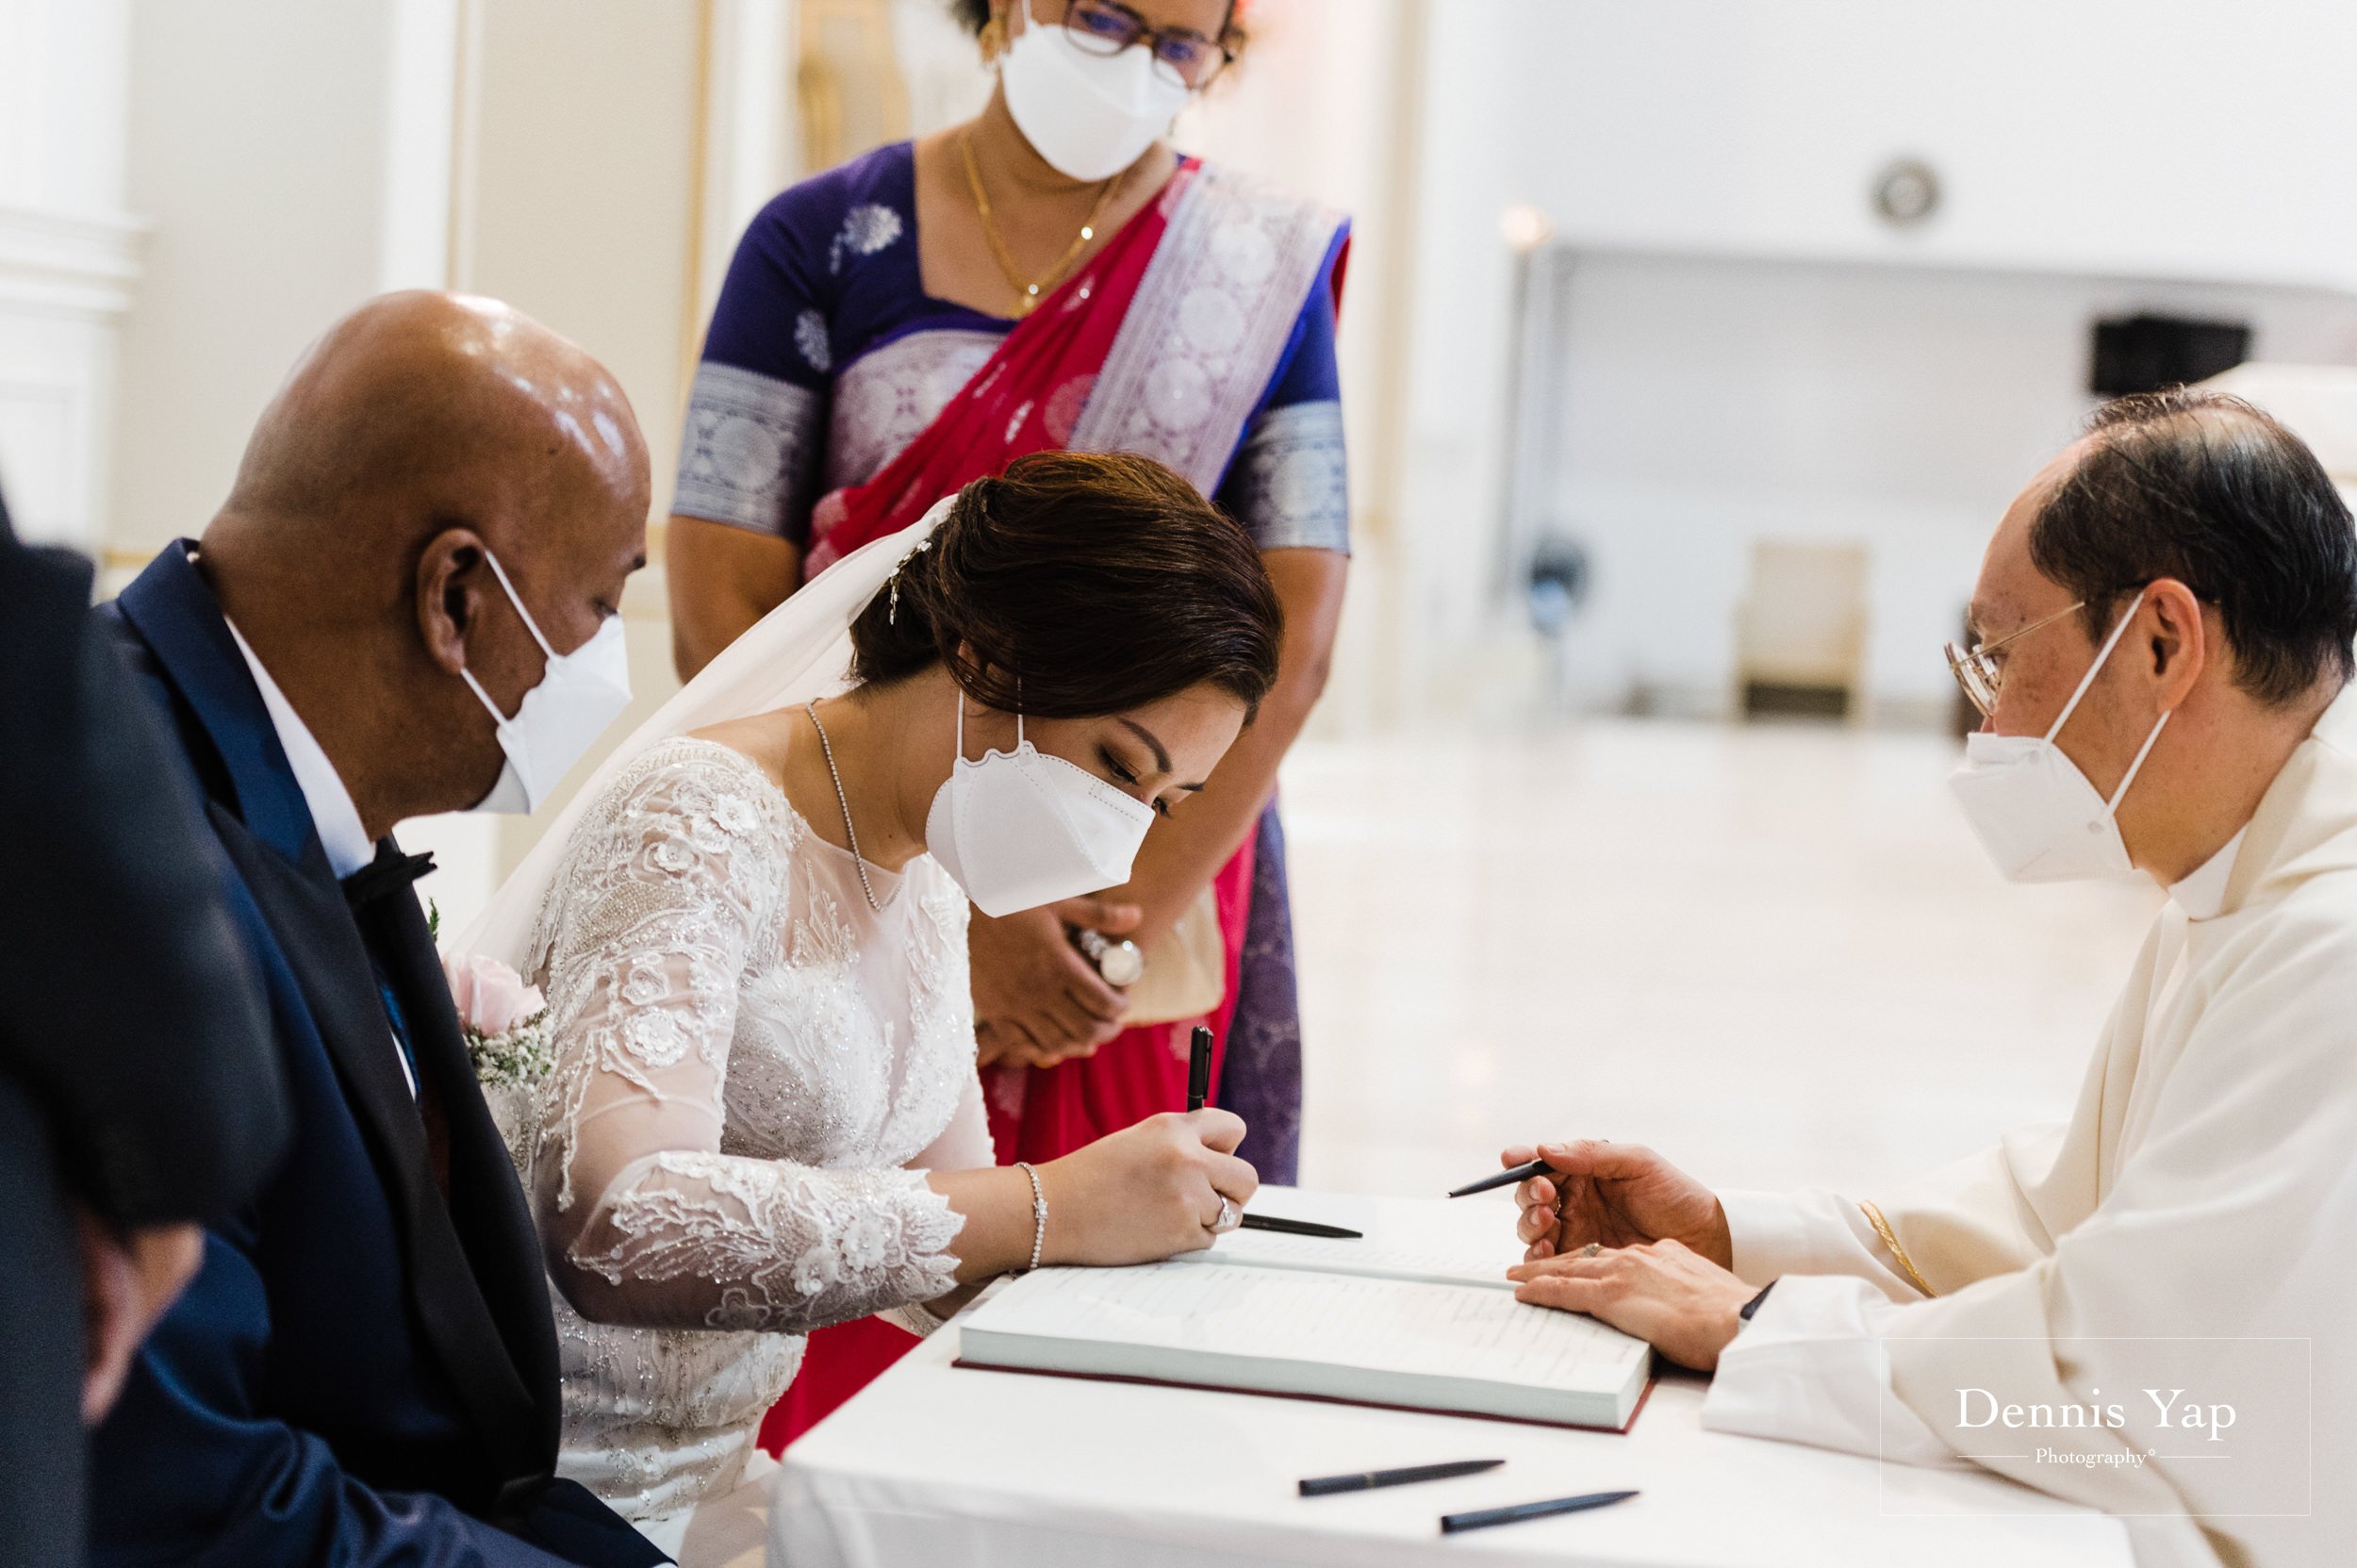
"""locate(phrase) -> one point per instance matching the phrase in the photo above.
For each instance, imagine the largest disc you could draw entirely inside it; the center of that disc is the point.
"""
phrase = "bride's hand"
(1141, 1194)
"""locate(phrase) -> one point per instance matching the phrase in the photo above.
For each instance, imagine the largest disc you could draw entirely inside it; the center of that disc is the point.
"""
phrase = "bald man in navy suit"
(365, 1371)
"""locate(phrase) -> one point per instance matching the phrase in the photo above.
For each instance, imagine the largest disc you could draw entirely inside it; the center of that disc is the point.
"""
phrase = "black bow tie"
(391, 872)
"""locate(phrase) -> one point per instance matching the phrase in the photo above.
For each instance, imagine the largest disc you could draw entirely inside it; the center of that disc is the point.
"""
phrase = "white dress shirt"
(334, 816)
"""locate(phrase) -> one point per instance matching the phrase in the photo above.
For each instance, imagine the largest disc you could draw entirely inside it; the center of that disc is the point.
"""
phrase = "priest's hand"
(1615, 1195)
(1682, 1304)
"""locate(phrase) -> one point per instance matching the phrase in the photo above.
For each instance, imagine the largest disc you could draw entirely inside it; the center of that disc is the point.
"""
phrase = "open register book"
(1420, 1326)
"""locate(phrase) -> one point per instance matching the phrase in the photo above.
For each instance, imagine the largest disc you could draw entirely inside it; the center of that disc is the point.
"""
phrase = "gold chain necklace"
(1030, 293)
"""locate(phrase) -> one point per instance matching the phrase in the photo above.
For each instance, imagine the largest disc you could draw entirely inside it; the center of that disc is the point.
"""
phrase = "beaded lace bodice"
(753, 1071)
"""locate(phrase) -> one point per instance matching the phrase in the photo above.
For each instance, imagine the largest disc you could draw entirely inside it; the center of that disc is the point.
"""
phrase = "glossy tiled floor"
(1774, 953)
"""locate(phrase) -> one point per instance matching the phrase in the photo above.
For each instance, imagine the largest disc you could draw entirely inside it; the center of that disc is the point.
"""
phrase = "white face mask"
(1020, 828)
(579, 693)
(1090, 116)
(2037, 814)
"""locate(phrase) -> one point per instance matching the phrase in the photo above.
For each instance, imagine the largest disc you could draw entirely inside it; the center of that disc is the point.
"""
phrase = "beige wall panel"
(580, 153)
(580, 190)
(255, 151)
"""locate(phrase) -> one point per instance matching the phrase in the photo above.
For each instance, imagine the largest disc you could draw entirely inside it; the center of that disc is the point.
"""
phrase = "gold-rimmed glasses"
(1980, 674)
(1181, 54)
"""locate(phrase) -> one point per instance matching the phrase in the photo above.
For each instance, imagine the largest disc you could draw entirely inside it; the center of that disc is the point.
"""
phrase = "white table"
(951, 1467)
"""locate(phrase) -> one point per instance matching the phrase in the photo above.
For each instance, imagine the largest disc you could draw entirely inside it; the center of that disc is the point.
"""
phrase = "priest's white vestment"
(2192, 1228)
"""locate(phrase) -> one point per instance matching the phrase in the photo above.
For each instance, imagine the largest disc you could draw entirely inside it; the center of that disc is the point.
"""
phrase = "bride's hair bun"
(1076, 585)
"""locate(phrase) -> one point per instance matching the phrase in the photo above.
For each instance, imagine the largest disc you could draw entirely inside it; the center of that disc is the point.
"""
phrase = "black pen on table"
(1199, 1068)
(1480, 1519)
(1367, 1480)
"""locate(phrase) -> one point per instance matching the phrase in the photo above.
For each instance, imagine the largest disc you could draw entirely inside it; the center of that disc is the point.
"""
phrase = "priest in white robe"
(2152, 1309)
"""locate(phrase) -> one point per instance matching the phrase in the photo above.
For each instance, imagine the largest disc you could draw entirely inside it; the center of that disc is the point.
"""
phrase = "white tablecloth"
(951, 1467)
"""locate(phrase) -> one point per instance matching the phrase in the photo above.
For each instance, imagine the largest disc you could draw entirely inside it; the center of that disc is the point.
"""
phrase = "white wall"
(62, 93)
(2169, 138)
(1706, 403)
(1458, 655)
(68, 258)
(286, 152)
(1741, 347)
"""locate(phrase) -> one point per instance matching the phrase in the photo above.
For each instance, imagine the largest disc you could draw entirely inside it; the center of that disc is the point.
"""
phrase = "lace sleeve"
(963, 1145)
(646, 1222)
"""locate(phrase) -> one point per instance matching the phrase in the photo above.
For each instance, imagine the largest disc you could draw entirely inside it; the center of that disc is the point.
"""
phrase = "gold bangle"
(1891, 1240)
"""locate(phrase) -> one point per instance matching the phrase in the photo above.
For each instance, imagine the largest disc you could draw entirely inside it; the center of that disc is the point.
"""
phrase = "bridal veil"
(798, 651)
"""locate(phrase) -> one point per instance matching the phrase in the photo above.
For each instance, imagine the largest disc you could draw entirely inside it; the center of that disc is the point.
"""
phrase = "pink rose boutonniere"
(505, 1021)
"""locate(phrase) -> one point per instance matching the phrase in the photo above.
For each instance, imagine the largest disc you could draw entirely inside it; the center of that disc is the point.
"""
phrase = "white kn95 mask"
(2037, 814)
(1020, 828)
(578, 694)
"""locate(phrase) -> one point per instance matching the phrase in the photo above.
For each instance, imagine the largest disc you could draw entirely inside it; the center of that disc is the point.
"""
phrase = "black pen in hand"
(1505, 1177)
(1199, 1068)
(1300, 1227)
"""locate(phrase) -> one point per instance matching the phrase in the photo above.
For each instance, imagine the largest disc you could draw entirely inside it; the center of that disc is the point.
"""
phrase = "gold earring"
(992, 38)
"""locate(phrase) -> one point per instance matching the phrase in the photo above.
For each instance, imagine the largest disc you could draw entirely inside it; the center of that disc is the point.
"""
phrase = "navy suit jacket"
(361, 1373)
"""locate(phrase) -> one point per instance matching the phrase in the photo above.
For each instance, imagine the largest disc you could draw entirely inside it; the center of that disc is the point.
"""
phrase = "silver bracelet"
(1039, 1213)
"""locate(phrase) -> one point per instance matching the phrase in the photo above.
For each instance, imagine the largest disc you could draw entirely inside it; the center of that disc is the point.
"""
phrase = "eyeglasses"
(1980, 674)
(1181, 54)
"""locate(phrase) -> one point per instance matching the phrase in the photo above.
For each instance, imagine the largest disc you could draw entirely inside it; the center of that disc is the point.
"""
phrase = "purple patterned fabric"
(826, 357)
(1261, 1077)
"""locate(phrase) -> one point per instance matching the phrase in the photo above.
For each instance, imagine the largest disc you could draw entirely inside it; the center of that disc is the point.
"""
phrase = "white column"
(294, 159)
(420, 120)
(68, 258)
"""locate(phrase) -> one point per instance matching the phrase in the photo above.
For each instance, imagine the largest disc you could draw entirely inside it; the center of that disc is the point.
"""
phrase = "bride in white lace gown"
(767, 1056)
(764, 1115)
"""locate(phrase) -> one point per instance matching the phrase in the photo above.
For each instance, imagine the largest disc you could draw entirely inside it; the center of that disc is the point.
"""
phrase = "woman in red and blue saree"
(927, 313)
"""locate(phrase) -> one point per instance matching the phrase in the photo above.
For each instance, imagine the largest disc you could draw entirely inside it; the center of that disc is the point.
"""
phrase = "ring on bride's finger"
(1227, 1218)
(1591, 1249)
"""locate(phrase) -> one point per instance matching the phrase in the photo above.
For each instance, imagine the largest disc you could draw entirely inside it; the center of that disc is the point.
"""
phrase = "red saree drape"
(1026, 398)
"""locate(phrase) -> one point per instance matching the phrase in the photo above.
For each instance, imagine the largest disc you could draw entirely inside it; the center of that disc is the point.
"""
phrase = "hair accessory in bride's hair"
(892, 609)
